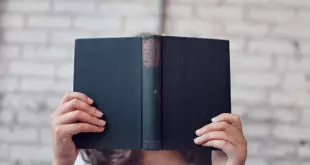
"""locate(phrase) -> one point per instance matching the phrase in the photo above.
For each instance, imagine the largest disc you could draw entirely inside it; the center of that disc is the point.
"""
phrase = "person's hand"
(224, 133)
(74, 115)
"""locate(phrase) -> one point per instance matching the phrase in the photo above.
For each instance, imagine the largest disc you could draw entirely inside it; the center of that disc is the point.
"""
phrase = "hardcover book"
(154, 91)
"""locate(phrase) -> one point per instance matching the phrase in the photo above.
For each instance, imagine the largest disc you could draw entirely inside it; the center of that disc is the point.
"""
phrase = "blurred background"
(270, 65)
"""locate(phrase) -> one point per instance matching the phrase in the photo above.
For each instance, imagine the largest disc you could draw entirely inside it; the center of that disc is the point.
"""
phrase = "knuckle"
(75, 101)
(57, 130)
(82, 127)
(77, 114)
(237, 118)
(224, 125)
(225, 143)
(92, 111)
(211, 135)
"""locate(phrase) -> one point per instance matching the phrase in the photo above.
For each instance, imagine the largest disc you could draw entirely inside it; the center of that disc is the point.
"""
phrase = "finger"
(220, 144)
(230, 118)
(75, 116)
(217, 135)
(76, 95)
(219, 126)
(77, 104)
(72, 129)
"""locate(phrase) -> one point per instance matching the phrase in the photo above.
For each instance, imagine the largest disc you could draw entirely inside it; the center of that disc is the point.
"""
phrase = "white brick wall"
(270, 61)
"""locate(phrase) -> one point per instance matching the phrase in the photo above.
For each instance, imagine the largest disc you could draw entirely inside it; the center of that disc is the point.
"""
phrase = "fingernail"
(101, 129)
(213, 119)
(102, 122)
(90, 100)
(196, 140)
(198, 132)
(99, 113)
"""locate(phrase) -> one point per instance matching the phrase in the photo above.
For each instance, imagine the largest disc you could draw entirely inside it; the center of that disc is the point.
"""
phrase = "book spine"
(151, 93)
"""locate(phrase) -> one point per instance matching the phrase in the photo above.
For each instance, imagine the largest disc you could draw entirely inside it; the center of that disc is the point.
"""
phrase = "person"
(75, 114)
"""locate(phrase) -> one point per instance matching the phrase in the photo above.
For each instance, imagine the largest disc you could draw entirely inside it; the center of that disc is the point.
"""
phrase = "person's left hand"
(224, 133)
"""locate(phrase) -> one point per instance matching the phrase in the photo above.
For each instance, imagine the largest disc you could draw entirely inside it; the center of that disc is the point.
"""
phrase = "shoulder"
(80, 161)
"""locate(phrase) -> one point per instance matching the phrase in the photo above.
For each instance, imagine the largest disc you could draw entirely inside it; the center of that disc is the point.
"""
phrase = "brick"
(46, 136)
(285, 115)
(271, 15)
(296, 82)
(257, 130)
(303, 15)
(292, 133)
(173, 2)
(293, 30)
(291, 64)
(246, 29)
(31, 152)
(4, 151)
(27, 6)
(236, 44)
(65, 71)
(248, 1)
(250, 62)
(77, 6)
(285, 161)
(299, 3)
(279, 150)
(63, 86)
(3, 162)
(256, 161)
(271, 46)
(45, 84)
(292, 98)
(180, 10)
(11, 21)
(219, 13)
(44, 53)
(68, 37)
(254, 148)
(258, 80)
(18, 134)
(51, 22)
(99, 23)
(128, 9)
(6, 117)
(24, 36)
(239, 110)
(53, 101)
(21, 102)
(8, 84)
(9, 51)
(305, 48)
(31, 69)
(34, 119)
(305, 117)
(304, 151)
(193, 27)
(260, 114)
(242, 95)
(277, 115)
(148, 25)
(37, 85)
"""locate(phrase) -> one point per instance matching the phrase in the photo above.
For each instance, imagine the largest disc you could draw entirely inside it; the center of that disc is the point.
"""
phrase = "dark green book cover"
(155, 91)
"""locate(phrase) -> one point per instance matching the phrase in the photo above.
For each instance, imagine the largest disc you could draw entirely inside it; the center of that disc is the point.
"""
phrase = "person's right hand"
(74, 115)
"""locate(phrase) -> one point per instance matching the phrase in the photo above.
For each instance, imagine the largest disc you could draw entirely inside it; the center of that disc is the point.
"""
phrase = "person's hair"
(135, 157)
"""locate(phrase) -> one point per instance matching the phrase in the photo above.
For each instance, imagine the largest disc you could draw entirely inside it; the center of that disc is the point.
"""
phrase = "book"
(154, 90)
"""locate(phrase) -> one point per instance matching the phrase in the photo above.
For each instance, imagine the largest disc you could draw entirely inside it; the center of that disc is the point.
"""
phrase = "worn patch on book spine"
(151, 52)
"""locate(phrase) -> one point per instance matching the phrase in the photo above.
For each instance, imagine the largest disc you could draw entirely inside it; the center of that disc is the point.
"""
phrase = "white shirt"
(80, 161)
